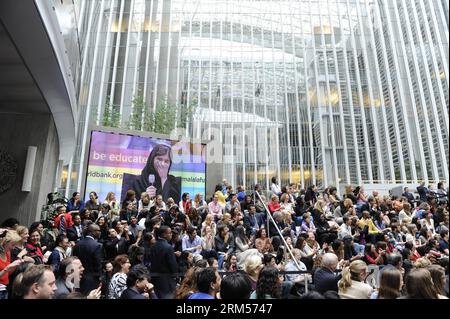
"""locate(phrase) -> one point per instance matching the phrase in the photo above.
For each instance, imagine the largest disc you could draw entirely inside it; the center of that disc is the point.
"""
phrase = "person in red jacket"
(274, 205)
(68, 222)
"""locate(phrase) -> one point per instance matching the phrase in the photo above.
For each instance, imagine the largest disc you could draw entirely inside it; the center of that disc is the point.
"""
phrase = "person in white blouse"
(428, 223)
(352, 285)
(275, 188)
(345, 229)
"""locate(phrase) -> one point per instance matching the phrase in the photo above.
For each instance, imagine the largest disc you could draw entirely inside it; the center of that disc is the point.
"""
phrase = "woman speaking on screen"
(155, 178)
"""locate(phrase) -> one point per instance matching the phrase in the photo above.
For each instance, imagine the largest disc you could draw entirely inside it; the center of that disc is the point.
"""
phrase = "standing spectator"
(63, 221)
(75, 233)
(423, 192)
(70, 271)
(90, 253)
(408, 195)
(59, 253)
(118, 282)
(164, 263)
(6, 266)
(33, 247)
(38, 282)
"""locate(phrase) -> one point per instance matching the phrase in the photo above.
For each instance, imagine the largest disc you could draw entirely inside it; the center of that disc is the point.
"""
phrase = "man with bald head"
(325, 278)
(90, 253)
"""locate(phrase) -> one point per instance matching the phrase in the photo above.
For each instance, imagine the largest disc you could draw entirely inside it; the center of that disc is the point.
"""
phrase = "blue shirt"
(189, 245)
(200, 295)
(241, 196)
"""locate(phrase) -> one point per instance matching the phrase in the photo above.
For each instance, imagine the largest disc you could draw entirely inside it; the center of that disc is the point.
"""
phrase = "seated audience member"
(419, 285)
(208, 284)
(325, 279)
(235, 286)
(352, 285)
(391, 284)
(269, 284)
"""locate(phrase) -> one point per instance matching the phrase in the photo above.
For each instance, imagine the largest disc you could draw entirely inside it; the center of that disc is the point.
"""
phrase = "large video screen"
(119, 162)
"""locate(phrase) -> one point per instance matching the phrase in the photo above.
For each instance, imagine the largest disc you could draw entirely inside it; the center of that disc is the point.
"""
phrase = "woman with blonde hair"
(209, 221)
(352, 285)
(200, 205)
(113, 205)
(19, 251)
(7, 243)
(286, 206)
(252, 267)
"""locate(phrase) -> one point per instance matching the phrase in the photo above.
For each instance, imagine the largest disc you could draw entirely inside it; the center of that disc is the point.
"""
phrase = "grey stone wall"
(17, 132)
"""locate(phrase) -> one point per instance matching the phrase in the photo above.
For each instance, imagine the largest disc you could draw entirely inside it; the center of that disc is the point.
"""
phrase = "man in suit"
(423, 192)
(163, 262)
(324, 278)
(409, 196)
(90, 253)
(75, 233)
(252, 221)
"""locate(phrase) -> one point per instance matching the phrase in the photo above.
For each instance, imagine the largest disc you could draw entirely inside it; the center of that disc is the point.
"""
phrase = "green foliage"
(111, 117)
(54, 200)
(161, 119)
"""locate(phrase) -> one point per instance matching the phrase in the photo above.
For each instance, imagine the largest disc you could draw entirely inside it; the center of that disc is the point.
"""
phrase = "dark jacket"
(251, 222)
(131, 293)
(325, 280)
(222, 246)
(114, 247)
(72, 234)
(163, 261)
(90, 253)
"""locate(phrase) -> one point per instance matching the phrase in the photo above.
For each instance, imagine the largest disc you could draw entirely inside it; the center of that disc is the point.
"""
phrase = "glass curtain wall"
(325, 92)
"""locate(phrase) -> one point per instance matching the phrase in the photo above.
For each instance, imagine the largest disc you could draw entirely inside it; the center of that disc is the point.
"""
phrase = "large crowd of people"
(291, 243)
